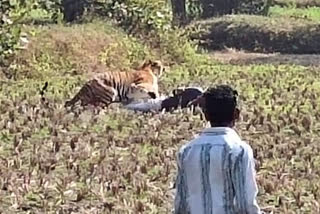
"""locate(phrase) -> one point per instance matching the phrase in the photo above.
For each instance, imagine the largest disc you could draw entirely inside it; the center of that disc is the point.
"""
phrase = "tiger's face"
(147, 77)
(156, 67)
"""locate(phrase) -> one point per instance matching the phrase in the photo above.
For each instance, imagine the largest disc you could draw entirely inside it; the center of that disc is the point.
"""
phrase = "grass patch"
(297, 3)
(77, 49)
(310, 13)
(258, 34)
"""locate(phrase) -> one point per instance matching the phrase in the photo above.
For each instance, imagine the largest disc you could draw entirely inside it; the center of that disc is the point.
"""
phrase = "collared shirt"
(216, 175)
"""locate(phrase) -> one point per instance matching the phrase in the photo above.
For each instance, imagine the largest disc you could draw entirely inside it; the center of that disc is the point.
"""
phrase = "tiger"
(121, 86)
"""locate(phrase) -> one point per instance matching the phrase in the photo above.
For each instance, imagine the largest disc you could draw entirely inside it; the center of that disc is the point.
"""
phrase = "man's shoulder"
(188, 144)
(241, 148)
(237, 145)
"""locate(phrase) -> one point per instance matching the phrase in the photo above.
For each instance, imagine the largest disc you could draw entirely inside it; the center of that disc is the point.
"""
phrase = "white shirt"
(216, 175)
(146, 105)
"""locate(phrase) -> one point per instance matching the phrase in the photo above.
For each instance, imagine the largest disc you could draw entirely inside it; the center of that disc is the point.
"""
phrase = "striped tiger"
(124, 87)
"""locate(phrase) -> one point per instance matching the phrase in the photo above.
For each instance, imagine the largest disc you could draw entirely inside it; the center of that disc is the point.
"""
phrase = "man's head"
(220, 105)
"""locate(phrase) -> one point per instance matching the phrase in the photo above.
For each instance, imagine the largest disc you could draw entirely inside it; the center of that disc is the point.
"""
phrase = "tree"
(218, 7)
(179, 12)
(72, 9)
(207, 8)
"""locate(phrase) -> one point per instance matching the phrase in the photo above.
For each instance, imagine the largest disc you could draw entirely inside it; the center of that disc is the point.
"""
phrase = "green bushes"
(10, 30)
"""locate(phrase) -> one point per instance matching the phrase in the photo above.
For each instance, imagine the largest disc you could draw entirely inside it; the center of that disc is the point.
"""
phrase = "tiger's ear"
(146, 63)
(160, 68)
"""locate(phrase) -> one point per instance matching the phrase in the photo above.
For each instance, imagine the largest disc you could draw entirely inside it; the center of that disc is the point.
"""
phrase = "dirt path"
(244, 58)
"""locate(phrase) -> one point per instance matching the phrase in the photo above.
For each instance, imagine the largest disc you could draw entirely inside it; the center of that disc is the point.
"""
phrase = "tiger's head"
(156, 67)
(147, 77)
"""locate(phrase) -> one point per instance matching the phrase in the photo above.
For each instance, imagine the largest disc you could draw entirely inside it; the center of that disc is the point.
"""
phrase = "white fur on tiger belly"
(146, 105)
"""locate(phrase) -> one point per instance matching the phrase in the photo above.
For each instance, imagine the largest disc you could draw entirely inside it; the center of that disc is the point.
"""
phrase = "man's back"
(216, 175)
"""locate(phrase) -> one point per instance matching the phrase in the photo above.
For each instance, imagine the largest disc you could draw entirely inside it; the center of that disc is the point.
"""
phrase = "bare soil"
(237, 57)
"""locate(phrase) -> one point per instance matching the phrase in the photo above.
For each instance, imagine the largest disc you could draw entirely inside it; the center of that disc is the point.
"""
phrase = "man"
(216, 173)
(182, 97)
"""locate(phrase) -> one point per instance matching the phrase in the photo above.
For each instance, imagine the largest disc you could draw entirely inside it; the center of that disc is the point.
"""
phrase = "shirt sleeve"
(244, 182)
(150, 105)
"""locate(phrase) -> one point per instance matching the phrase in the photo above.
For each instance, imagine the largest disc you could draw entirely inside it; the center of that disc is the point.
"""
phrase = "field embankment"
(236, 57)
(258, 34)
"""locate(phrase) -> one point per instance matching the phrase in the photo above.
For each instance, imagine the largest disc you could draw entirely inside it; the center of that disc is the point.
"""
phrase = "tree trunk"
(179, 12)
(208, 9)
(72, 9)
(213, 8)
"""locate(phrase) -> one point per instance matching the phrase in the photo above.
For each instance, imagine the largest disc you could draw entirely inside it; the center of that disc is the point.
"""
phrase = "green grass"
(297, 3)
(311, 13)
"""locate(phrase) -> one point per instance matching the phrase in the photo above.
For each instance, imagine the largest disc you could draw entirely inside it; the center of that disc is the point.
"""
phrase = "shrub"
(138, 16)
(254, 7)
(11, 37)
(214, 8)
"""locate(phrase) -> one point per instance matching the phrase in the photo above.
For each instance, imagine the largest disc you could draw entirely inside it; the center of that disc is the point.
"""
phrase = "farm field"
(117, 161)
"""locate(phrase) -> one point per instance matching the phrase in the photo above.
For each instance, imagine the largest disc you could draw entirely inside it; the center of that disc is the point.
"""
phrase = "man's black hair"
(220, 104)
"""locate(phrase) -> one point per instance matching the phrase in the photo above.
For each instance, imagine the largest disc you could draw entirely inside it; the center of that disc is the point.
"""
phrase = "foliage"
(254, 7)
(194, 9)
(11, 12)
(51, 7)
(69, 49)
(258, 34)
(135, 16)
(197, 8)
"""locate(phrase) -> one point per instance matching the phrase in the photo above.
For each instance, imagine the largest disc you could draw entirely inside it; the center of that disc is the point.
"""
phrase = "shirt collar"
(218, 131)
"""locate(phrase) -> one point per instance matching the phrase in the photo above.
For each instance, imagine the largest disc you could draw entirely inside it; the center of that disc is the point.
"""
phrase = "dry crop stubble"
(119, 161)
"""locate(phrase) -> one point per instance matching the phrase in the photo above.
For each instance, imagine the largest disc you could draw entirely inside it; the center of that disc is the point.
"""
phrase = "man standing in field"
(216, 173)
